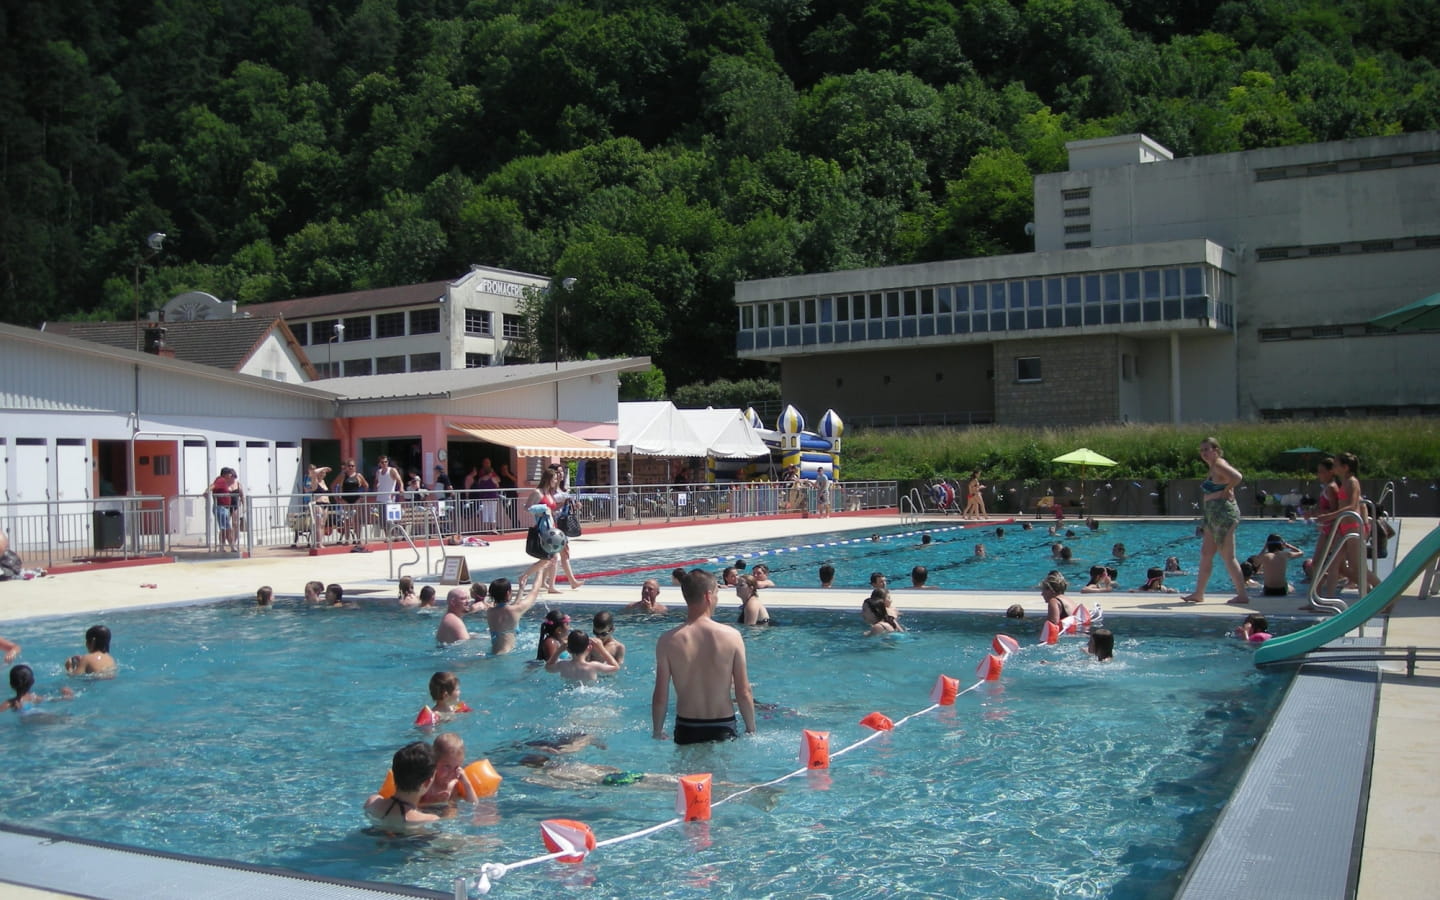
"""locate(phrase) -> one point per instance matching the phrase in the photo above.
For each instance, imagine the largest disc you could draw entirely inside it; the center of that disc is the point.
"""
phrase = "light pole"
(153, 243)
(339, 335)
(569, 285)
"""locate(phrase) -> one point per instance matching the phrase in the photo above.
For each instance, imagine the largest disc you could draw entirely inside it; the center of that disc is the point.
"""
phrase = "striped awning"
(538, 441)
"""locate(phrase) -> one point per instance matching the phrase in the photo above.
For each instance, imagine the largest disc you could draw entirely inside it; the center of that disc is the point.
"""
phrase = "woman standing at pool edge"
(1221, 516)
(974, 499)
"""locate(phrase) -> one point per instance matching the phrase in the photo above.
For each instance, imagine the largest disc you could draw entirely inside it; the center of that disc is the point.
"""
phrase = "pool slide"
(1416, 563)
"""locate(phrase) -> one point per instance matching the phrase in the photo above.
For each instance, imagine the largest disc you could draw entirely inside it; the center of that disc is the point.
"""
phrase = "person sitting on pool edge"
(827, 576)
(413, 767)
(706, 662)
(1101, 645)
(97, 659)
(649, 601)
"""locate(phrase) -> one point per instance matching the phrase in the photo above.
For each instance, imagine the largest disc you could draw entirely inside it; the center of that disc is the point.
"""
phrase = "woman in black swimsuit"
(349, 486)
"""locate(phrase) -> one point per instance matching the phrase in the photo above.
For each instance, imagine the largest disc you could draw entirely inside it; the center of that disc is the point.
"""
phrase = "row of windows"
(380, 365)
(1343, 166)
(364, 328)
(1387, 245)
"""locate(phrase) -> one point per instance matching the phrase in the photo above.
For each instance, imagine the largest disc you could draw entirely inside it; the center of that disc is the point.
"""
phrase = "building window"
(301, 332)
(358, 367)
(1078, 212)
(512, 327)
(424, 362)
(1075, 194)
(357, 328)
(390, 365)
(477, 360)
(388, 325)
(1027, 369)
(322, 331)
(747, 317)
(1077, 229)
(424, 321)
(477, 321)
(1076, 245)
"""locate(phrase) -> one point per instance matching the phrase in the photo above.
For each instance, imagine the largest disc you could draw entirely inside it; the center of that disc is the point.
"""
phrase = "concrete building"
(1238, 285)
(467, 323)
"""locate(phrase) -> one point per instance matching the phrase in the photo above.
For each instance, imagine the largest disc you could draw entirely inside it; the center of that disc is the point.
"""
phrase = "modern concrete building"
(467, 323)
(1239, 285)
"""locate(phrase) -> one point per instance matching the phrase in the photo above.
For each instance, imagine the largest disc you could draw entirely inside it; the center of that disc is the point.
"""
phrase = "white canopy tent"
(656, 428)
(726, 433)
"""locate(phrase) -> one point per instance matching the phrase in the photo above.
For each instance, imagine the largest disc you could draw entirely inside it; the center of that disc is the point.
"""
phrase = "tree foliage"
(656, 151)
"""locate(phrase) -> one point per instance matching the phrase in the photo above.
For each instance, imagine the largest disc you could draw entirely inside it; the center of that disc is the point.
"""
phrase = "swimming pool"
(1015, 561)
(255, 735)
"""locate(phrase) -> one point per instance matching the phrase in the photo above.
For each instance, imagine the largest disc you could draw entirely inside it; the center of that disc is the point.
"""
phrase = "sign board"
(455, 571)
(394, 512)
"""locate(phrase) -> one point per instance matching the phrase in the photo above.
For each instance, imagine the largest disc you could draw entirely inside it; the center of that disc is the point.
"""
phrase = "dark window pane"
(388, 325)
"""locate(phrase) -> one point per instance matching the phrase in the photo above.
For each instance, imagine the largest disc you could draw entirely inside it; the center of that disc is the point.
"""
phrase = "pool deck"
(1401, 850)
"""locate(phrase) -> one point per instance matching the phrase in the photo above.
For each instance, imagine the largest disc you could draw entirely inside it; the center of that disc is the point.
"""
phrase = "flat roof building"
(1206, 289)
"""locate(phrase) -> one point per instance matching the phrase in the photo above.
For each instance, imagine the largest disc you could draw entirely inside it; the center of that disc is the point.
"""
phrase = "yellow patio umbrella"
(1084, 458)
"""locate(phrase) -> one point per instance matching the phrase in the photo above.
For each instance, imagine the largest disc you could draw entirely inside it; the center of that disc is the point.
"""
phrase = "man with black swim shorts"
(706, 661)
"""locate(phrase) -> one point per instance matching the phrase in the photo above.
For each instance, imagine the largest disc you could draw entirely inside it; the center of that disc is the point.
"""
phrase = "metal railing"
(53, 532)
(1336, 543)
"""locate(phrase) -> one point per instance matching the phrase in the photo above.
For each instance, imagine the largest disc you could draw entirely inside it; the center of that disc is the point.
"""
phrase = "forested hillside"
(656, 150)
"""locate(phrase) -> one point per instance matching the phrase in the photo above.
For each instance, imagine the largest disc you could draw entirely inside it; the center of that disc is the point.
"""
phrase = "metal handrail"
(398, 530)
(1329, 554)
(1387, 491)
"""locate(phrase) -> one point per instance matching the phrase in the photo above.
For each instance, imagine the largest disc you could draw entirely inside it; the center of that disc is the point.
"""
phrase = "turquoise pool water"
(1015, 561)
(256, 735)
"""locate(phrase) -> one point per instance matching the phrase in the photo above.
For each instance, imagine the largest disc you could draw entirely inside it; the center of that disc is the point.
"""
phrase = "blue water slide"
(1415, 564)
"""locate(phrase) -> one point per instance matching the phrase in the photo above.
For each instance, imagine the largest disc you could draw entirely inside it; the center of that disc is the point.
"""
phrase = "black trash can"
(109, 529)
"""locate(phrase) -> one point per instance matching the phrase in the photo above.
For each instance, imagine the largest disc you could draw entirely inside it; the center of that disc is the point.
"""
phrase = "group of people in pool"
(95, 662)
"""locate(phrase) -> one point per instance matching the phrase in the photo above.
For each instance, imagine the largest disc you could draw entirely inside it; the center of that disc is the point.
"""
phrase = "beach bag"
(568, 521)
(533, 547)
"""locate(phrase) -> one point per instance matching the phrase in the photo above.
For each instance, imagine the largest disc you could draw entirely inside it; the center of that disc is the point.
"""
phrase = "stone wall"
(1079, 381)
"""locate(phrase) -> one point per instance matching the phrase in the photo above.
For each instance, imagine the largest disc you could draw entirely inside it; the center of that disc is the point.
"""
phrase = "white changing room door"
(30, 526)
(72, 482)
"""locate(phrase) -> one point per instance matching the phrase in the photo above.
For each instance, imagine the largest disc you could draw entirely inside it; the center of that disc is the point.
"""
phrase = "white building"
(1238, 285)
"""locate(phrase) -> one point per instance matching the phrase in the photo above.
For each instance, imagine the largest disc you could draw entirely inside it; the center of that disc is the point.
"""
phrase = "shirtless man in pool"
(503, 616)
(705, 660)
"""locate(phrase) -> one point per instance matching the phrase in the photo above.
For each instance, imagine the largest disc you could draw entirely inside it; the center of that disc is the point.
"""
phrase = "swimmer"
(503, 616)
(1172, 566)
(581, 667)
(728, 576)
(554, 635)
(1055, 549)
(334, 595)
(761, 574)
(427, 596)
(706, 662)
(413, 767)
(1155, 582)
(452, 626)
(1274, 563)
(97, 659)
(602, 631)
(1100, 581)
(1255, 628)
(752, 611)
(827, 576)
(979, 551)
(918, 576)
(1000, 532)
(1015, 611)
(1118, 551)
(314, 592)
(449, 784)
(1092, 523)
(22, 679)
(649, 601)
(885, 622)
(445, 694)
(878, 581)
(1026, 526)
(677, 575)
(1102, 645)
(925, 541)
(405, 595)
(1053, 589)
(882, 597)
(264, 596)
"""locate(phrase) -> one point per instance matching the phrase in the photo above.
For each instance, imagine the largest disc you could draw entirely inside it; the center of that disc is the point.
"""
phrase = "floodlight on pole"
(153, 244)
(569, 285)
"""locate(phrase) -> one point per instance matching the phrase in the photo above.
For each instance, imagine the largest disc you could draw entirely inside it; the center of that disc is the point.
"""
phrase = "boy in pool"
(445, 694)
(314, 592)
(414, 769)
(603, 631)
(22, 679)
(427, 595)
(449, 783)
(827, 576)
(97, 659)
(588, 659)
(265, 596)
(1102, 645)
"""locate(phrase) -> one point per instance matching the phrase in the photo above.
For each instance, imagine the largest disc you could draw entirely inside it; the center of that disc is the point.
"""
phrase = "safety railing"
(1329, 554)
(47, 533)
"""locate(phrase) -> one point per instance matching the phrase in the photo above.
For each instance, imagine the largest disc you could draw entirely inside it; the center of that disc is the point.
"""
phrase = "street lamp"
(339, 335)
(569, 285)
(153, 243)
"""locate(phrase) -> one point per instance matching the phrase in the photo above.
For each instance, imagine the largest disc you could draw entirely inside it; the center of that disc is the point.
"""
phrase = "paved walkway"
(1401, 857)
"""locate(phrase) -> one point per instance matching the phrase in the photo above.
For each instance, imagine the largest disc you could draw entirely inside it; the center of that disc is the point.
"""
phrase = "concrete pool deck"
(1401, 851)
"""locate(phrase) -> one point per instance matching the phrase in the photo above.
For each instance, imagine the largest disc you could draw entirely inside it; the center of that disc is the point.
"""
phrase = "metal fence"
(50, 533)
(53, 532)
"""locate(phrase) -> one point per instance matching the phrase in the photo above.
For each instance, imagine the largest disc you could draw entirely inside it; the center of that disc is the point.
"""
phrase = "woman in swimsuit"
(1221, 516)
(1348, 499)
(1053, 589)
(885, 623)
(752, 611)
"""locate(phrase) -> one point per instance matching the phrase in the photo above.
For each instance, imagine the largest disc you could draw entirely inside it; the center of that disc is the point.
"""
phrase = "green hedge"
(1388, 448)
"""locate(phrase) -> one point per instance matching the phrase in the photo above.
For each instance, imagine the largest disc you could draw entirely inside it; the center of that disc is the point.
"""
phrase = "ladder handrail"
(399, 530)
(1327, 555)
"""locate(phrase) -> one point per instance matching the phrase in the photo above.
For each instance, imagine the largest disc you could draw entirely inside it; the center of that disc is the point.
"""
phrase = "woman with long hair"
(1221, 517)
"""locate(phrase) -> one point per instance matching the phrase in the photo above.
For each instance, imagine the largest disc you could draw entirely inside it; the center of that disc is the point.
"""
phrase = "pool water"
(1015, 562)
(256, 735)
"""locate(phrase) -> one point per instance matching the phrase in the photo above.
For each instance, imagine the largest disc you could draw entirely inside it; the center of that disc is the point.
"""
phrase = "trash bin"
(109, 529)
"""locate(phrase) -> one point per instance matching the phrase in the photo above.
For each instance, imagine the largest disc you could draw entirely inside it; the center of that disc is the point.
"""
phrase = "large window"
(477, 360)
(477, 322)
(358, 367)
(388, 325)
(424, 362)
(424, 321)
(512, 326)
(389, 365)
(357, 328)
